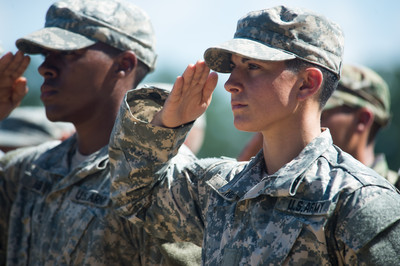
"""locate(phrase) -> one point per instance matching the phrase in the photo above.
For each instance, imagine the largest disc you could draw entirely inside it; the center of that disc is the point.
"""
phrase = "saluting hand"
(190, 96)
(13, 86)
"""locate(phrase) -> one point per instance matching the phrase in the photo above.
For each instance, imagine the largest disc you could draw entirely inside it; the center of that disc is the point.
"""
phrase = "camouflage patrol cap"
(282, 33)
(360, 86)
(77, 24)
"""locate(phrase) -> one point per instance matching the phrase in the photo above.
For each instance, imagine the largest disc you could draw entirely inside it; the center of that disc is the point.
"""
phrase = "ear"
(365, 119)
(127, 61)
(312, 80)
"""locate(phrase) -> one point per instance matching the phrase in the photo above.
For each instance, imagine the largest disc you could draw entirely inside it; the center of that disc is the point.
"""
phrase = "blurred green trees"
(388, 140)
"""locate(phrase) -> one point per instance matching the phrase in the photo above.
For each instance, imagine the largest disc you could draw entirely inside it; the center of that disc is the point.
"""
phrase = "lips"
(237, 105)
(46, 92)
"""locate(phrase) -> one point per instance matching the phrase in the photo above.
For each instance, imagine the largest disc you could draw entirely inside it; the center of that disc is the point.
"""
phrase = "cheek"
(283, 92)
(332, 122)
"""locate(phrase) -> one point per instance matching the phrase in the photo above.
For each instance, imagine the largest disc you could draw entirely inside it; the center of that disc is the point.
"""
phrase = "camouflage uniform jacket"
(322, 208)
(54, 216)
(380, 166)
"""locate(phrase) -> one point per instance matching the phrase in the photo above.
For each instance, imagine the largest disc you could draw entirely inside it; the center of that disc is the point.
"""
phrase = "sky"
(185, 28)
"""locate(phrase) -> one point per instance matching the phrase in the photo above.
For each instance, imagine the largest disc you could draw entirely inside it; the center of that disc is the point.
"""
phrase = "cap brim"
(52, 38)
(218, 58)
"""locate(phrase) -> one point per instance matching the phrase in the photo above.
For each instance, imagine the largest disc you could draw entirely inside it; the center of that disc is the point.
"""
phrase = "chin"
(243, 126)
(52, 115)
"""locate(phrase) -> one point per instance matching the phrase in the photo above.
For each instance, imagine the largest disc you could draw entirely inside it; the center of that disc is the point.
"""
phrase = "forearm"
(144, 168)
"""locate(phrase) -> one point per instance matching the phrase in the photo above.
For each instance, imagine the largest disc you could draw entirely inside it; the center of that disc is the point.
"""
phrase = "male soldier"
(299, 201)
(356, 112)
(55, 207)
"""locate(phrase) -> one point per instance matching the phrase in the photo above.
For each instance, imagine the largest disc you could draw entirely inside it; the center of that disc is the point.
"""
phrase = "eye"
(252, 66)
(46, 54)
(66, 53)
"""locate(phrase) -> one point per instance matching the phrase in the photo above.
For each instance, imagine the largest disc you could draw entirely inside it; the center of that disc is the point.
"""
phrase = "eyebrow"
(244, 59)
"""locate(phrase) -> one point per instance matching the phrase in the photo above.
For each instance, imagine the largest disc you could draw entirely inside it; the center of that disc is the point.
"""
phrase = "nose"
(46, 69)
(232, 85)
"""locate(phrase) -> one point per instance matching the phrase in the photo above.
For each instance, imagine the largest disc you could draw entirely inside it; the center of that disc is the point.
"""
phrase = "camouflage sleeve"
(149, 180)
(12, 166)
(9, 179)
(369, 227)
(7, 190)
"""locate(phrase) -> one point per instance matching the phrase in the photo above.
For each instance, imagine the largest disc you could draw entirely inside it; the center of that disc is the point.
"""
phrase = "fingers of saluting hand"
(199, 76)
(211, 83)
(13, 66)
(192, 81)
(187, 78)
(20, 89)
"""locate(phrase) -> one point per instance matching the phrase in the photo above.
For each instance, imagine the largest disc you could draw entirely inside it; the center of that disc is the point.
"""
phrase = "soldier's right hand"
(190, 96)
(13, 87)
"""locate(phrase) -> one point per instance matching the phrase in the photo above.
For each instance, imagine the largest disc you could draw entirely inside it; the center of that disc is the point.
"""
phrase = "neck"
(93, 135)
(282, 146)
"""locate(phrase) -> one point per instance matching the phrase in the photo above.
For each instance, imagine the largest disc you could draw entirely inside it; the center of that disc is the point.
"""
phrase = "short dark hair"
(330, 79)
(141, 70)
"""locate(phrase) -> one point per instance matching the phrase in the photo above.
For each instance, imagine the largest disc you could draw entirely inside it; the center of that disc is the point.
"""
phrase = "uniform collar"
(254, 181)
(50, 164)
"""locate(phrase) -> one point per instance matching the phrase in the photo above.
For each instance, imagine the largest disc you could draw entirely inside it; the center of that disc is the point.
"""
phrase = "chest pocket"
(261, 233)
(58, 223)
(241, 238)
(81, 226)
(71, 238)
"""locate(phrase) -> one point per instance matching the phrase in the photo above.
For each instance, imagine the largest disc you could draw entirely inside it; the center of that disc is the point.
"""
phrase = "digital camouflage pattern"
(54, 216)
(77, 24)
(282, 33)
(322, 208)
(360, 86)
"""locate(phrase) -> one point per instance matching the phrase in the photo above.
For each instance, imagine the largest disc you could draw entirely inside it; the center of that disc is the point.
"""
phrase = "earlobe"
(127, 61)
(121, 73)
(365, 119)
(311, 83)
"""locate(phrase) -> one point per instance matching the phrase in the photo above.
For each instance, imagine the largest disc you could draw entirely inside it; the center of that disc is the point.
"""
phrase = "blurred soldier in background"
(29, 126)
(355, 114)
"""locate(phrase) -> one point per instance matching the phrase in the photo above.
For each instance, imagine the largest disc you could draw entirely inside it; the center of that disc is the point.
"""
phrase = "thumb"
(20, 89)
